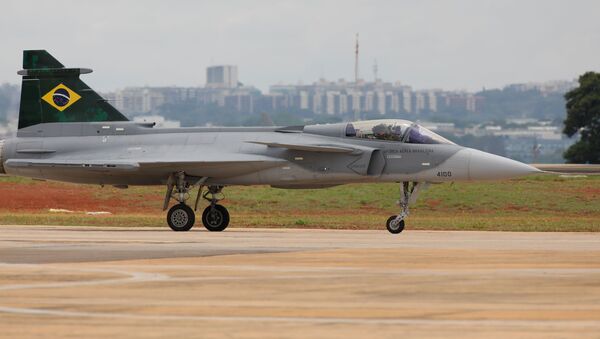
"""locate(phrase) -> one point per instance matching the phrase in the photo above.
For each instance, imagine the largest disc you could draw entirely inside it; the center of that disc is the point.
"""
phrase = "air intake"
(1, 159)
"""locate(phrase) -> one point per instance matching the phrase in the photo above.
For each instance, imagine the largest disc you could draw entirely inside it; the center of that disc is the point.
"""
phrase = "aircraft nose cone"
(486, 166)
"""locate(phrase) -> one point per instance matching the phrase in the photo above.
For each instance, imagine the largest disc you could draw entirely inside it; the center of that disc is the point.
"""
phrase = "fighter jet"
(69, 133)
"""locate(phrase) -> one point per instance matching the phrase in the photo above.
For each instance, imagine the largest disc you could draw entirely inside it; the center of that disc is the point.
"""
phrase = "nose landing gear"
(409, 191)
(394, 225)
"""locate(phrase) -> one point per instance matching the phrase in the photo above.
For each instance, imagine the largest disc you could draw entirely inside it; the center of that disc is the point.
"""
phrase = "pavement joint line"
(325, 269)
(545, 324)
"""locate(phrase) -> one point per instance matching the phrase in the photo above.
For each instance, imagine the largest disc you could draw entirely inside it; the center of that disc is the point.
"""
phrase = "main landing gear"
(409, 192)
(215, 217)
(181, 217)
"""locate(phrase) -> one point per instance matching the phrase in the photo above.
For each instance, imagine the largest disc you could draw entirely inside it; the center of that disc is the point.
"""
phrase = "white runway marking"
(130, 277)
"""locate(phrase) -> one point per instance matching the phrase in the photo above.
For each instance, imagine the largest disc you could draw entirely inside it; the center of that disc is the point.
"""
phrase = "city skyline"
(333, 98)
(458, 45)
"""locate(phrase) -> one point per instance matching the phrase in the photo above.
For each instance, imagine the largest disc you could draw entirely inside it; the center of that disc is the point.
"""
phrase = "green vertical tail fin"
(52, 93)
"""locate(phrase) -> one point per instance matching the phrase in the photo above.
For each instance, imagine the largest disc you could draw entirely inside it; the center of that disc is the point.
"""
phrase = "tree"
(583, 116)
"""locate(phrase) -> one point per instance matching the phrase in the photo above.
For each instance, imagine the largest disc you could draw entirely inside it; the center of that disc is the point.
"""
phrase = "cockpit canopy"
(394, 130)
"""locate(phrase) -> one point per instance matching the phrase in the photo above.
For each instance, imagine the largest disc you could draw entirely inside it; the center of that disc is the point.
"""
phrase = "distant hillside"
(511, 103)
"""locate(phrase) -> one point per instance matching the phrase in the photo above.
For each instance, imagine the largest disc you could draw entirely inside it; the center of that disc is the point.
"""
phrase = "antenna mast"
(356, 62)
(356, 96)
(375, 70)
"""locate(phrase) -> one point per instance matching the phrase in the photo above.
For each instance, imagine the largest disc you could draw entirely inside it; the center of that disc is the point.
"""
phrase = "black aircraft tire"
(397, 229)
(215, 219)
(181, 218)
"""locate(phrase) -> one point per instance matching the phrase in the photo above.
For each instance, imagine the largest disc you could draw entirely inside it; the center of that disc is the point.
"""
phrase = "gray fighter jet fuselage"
(127, 153)
(56, 144)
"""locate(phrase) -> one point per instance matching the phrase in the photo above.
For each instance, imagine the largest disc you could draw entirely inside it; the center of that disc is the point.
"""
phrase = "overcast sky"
(425, 44)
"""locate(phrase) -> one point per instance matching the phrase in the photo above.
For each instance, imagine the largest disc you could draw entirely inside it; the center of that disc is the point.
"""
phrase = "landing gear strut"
(409, 192)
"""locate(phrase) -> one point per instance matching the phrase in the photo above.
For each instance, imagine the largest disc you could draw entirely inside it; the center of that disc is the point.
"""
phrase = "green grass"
(536, 203)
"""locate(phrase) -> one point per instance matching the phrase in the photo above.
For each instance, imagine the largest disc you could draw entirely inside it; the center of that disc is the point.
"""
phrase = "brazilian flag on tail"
(52, 93)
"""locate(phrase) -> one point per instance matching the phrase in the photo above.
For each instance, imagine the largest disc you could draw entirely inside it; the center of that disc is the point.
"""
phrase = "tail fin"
(52, 93)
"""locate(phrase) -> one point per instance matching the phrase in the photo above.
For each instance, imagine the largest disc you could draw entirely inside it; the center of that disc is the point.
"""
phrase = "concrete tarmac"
(88, 282)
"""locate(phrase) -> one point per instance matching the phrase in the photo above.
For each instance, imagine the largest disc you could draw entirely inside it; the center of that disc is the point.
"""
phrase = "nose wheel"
(394, 225)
